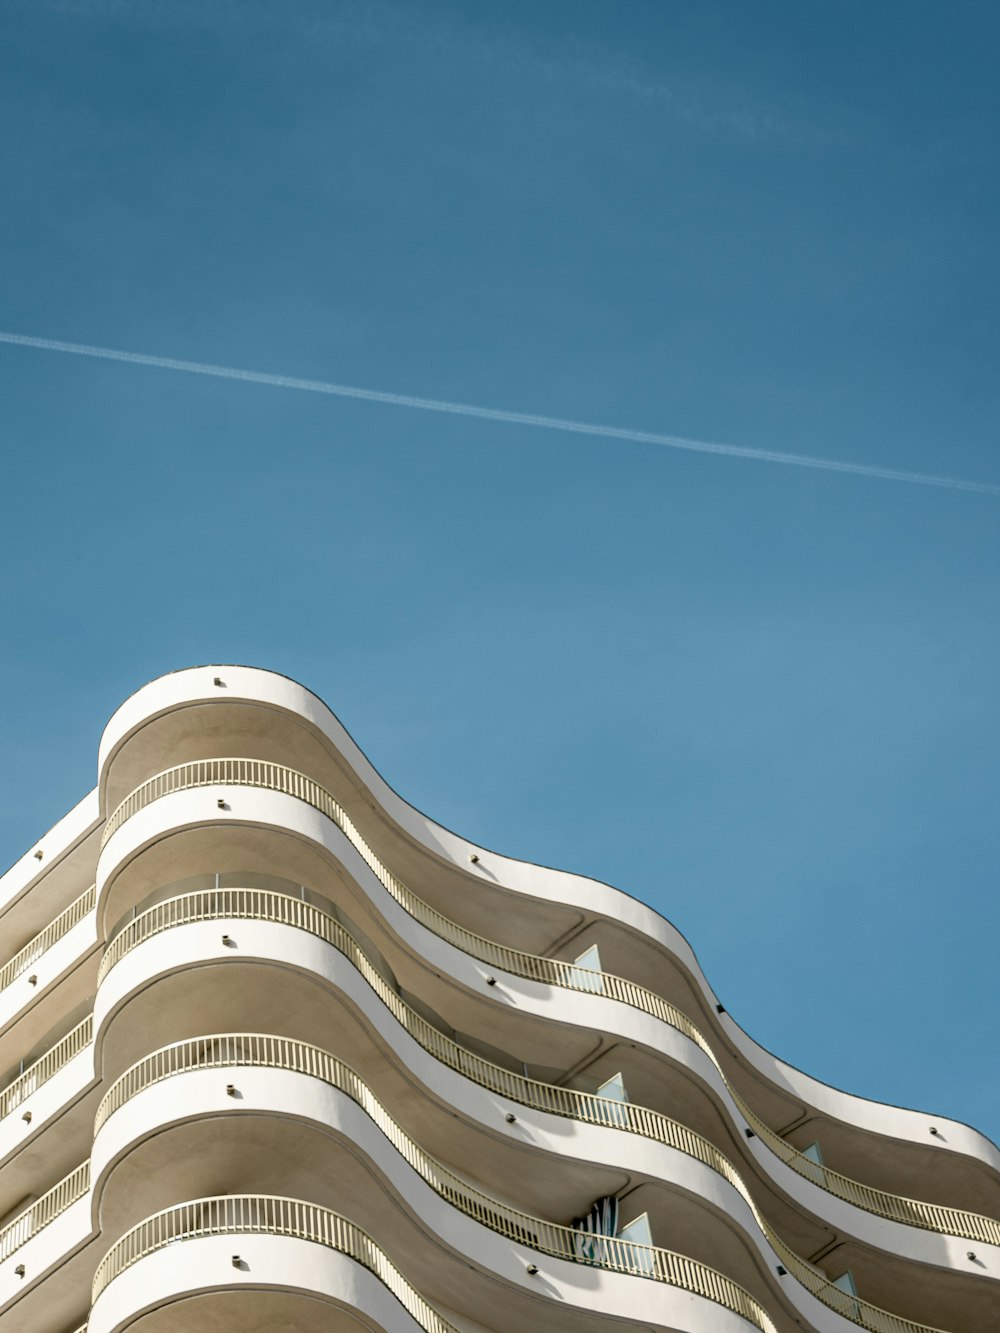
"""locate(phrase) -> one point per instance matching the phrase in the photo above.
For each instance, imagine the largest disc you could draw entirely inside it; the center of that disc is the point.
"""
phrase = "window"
(588, 962)
(613, 1093)
(637, 1253)
(814, 1171)
(845, 1283)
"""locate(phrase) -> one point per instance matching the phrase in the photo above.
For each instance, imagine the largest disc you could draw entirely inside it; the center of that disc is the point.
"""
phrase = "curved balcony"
(253, 1215)
(245, 1050)
(193, 711)
(898, 1208)
(257, 904)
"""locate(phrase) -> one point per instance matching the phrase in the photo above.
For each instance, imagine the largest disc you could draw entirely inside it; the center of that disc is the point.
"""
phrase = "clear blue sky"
(763, 699)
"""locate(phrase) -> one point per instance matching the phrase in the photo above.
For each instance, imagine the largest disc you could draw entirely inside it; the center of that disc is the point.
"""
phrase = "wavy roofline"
(700, 975)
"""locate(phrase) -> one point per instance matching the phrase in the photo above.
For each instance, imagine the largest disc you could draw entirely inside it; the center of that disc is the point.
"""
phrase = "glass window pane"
(613, 1093)
(636, 1255)
(614, 1088)
(589, 962)
(845, 1283)
(812, 1172)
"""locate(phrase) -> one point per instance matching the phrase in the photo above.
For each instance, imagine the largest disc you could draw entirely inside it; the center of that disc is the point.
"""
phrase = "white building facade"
(281, 1053)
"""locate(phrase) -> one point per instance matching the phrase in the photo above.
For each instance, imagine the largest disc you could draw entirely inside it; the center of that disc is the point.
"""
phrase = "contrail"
(497, 414)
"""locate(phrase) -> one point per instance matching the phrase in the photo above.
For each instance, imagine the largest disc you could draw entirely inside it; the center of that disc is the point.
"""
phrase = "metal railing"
(549, 971)
(46, 1065)
(268, 1215)
(257, 1049)
(39, 1214)
(45, 939)
(264, 904)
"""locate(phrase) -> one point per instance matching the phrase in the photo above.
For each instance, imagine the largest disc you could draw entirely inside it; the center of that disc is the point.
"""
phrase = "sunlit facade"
(282, 1053)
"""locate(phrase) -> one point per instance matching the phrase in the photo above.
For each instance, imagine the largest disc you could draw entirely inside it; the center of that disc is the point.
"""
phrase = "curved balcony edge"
(363, 986)
(284, 783)
(548, 1098)
(468, 1216)
(204, 1231)
(281, 694)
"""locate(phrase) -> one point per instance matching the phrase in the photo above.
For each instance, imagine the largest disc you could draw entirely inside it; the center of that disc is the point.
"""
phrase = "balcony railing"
(46, 1065)
(263, 904)
(45, 939)
(549, 971)
(269, 1215)
(44, 1210)
(255, 1049)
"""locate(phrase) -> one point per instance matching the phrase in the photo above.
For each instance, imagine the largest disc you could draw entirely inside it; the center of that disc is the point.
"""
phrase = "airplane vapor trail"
(498, 414)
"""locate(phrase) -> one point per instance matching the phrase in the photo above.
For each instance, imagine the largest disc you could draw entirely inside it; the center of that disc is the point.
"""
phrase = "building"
(284, 1054)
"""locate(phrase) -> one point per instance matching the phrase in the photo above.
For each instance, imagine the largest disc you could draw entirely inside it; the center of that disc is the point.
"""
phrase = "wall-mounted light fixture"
(33, 979)
(474, 857)
(230, 1089)
(218, 681)
(510, 1117)
(39, 854)
(20, 1270)
(532, 1269)
(26, 1117)
(221, 803)
(237, 1261)
(720, 1008)
(749, 1133)
(781, 1271)
(491, 981)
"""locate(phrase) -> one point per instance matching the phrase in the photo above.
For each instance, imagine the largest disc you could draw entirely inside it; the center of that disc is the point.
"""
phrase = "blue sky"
(762, 699)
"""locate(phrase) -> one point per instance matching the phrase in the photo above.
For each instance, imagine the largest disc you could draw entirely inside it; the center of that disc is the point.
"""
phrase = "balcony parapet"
(258, 1049)
(47, 1065)
(45, 939)
(269, 776)
(270, 1215)
(39, 1214)
(232, 1050)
